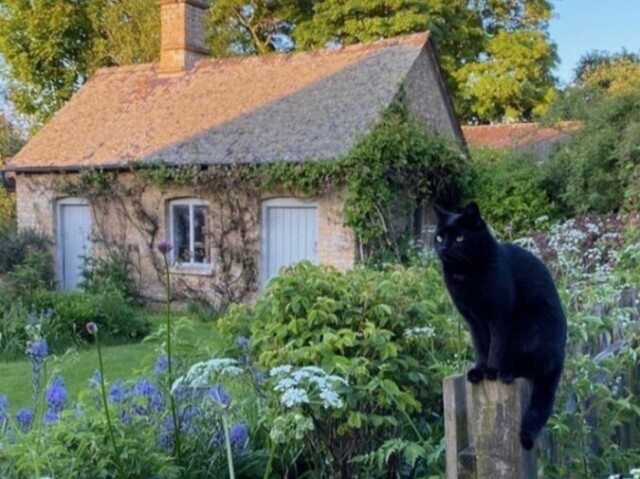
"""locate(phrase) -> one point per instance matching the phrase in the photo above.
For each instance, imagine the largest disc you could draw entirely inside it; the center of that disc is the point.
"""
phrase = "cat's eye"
(439, 239)
(460, 239)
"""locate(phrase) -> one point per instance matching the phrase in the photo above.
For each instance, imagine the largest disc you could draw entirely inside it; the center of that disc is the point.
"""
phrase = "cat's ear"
(472, 215)
(441, 214)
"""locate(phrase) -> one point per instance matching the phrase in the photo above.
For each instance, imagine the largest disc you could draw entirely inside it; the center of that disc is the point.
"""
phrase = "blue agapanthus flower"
(219, 395)
(24, 419)
(51, 416)
(162, 364)
(153, 399)
(119, 392)
(38, 349)
(242, 341)
(165, 437)
(239, 435)
(56, 394)
(4, 405)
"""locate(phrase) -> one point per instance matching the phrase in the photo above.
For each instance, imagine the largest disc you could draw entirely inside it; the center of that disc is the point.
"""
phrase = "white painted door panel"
(74, 242)
(289, 235)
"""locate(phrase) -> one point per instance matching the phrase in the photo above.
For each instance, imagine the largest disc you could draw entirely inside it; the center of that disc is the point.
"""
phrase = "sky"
(580, 26)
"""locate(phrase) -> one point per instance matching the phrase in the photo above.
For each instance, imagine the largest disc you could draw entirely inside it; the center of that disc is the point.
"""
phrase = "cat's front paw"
(491, 374)
(475, 375)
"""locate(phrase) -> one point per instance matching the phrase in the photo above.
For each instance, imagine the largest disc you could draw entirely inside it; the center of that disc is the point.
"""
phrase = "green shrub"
(508, 185)
(598, 168)
(25, 260)
(112, 272)
(117, 319)
(391, 333)
(76, 446)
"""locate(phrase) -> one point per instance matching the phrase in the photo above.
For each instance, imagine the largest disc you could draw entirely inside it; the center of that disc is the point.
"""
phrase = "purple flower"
(239, 434)
(242, 341)
(56, 394)
(119, 392)
(24, 418)
(38, 349)
(4, 405)
(187, 417)
(162, 364)
(151, 395)
(166, 434)
(219, 395)
(92, 328)
(164, 247)
(51, 416)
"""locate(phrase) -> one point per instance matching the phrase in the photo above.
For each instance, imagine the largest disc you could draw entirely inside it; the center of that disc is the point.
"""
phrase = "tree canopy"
(496, 54)
(52, 46)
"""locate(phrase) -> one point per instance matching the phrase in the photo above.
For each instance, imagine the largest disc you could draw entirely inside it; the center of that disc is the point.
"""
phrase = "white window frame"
(191, 203)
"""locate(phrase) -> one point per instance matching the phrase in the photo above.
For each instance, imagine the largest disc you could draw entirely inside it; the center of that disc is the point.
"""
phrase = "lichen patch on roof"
(280, 107)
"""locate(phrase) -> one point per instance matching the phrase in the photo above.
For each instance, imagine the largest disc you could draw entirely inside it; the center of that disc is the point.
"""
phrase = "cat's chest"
(477, 296)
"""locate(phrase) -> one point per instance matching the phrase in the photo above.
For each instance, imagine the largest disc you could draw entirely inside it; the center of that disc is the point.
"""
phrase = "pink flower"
(92, 328)
(164, 247)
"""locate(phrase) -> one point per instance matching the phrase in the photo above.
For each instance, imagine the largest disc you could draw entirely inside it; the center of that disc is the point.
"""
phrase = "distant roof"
(522, 136)
(279, 107)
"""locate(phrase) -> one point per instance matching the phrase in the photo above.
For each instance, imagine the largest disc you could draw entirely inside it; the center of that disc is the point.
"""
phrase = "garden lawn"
(124, 361)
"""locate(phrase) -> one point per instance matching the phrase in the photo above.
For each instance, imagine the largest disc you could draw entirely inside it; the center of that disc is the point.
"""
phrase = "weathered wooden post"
(482, 426)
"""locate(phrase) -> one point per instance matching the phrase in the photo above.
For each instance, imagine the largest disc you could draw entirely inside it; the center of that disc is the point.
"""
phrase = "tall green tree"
(496, 54)
(52, 46)
(236, 27)
(125, 32)
(46, 44)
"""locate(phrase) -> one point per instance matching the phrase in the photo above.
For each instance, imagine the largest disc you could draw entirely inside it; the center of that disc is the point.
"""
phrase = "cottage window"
(188, 226)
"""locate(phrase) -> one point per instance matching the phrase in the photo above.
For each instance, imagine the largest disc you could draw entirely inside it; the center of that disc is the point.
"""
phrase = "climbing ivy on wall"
(385, 176)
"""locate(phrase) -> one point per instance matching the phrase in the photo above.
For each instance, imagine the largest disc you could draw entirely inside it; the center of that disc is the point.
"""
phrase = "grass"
(121, 362)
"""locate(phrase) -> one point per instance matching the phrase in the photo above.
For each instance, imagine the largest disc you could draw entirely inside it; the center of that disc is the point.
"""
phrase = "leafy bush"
(597, 415)
(508, 185)
(390, 333)
(117, 319)
(598, 168)
(112, 272)
(25, 259)
(7, 207)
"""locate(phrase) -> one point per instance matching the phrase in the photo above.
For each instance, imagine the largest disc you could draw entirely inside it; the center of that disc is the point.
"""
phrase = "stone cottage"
(190, 112)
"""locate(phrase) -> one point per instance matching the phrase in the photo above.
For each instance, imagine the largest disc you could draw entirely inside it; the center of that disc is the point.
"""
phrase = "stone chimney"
(182, 37)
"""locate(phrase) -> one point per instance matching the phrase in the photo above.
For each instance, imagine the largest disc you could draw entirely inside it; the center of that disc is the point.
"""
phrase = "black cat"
(511, 304)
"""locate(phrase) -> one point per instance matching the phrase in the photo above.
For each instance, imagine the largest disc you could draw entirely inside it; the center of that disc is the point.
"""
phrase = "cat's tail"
(540, 407)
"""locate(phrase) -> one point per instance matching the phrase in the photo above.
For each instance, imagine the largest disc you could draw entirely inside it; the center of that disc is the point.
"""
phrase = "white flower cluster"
(297, 384)
(635, 474)
(427, 331)
(201, 374)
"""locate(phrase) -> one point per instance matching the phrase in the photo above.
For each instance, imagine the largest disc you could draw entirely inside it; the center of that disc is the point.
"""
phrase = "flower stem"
(174, 413)
(103, 390)
(272, 453)
(227, 440)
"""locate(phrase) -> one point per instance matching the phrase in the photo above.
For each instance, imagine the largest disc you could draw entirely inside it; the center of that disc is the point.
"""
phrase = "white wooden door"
(74, 240)
(289, 234)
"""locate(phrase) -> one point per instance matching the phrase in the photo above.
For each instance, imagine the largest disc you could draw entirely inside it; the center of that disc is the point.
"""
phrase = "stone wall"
(133, 215)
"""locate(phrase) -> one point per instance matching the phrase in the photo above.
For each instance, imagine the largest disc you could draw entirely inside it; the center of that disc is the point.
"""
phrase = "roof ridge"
(414, 39)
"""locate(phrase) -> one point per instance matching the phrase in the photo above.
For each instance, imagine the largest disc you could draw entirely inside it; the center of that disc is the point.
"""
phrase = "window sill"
(192, 270)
